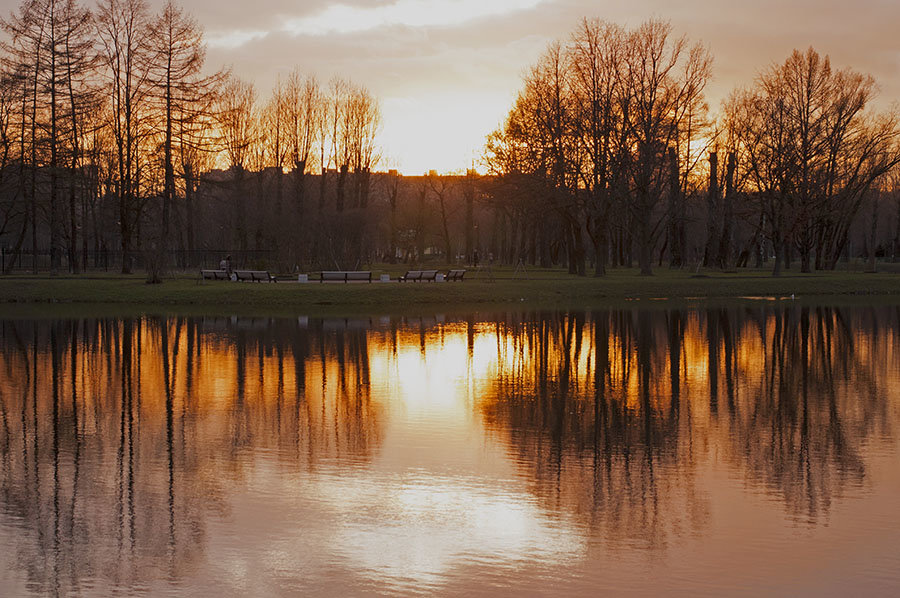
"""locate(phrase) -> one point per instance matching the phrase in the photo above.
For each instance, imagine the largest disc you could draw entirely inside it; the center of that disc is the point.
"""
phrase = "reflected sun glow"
(432, 383)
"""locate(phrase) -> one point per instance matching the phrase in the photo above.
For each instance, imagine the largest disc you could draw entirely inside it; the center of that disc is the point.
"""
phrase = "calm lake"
(740, 450)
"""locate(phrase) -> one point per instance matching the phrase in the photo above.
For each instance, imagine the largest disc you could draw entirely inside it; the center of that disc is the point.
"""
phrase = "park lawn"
(481, 289)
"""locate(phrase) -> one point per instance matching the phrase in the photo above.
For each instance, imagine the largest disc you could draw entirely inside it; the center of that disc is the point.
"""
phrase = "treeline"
(375, 217)
(118, 148)
(110, 128)
(611, 152)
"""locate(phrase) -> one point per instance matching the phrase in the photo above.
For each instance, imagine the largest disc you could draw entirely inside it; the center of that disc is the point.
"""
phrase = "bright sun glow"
(340, 18)
(438, 131)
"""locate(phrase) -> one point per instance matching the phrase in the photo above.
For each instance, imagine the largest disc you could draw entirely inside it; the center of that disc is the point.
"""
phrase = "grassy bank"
(535, 288)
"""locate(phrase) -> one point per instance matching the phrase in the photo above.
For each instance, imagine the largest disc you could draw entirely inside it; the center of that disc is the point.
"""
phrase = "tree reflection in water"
(123, 440)
(120, 437)
(581, 397)
(611, 413)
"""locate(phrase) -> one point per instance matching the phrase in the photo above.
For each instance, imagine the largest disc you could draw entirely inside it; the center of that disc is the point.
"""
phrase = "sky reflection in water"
(736, 450)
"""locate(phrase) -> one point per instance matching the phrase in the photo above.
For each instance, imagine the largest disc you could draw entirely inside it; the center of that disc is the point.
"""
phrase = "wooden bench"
(345, 275)
(455, 275)
(213, 275)
(253, 276)
(417, 275)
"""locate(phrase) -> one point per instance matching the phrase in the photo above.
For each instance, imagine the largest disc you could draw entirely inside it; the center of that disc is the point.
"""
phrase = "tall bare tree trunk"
(189, 204)
(469, 196)
(726, 242)
(676, 223)
(341, 187)
(895, 253)
(712, 212)
(871, 265)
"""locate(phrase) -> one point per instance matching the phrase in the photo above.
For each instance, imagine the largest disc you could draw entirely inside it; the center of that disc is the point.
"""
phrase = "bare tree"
(596, 56)
(197, 150)
(274, 128)
(52, 59)
(665, 79)
(177, 85)
(392, 191)
(363, 123)
(812, 153)
(609, 121)
(303, 107)
(237, 128)
(13, 211)
(338, 125)
(79, 62)
(25, 50)
(442, 189)
(124, 33)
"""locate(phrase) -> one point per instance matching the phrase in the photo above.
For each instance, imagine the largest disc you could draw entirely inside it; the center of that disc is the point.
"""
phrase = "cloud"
(234, 38)
(343, 18)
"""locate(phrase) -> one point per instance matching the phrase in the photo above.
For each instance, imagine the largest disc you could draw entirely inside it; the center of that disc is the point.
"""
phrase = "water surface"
(707, 451)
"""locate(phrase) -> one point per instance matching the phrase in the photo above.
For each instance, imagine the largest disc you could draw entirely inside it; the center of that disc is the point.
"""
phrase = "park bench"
(345, 275)
(253, 276)
(417, 275)
(213, 275)
(455, 275)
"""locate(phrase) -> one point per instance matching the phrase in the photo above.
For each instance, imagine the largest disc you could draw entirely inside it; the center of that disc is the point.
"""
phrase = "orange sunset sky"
(447, 71)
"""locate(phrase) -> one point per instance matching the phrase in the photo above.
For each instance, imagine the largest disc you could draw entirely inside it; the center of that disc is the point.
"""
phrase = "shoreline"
(540, 290)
